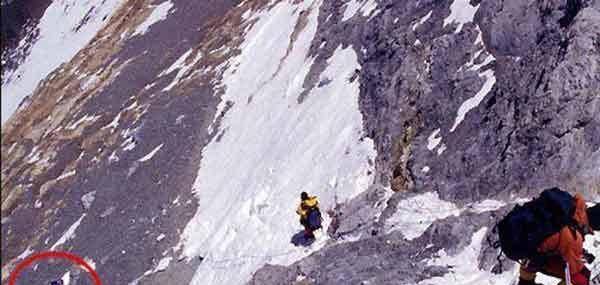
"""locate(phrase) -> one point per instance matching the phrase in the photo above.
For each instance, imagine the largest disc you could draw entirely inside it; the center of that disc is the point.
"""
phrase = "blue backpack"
(525, 227)
(314, 219)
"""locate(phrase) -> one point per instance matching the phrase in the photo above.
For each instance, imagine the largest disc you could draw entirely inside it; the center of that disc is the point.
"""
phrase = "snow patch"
(86, 118)
(179, 119)
(441, 149)
(461, 12)
(89, 82)
(151, 154)
(27, 252)
(365, 7)
(368, 7)
(488, 59)
(159, 13)
(163, 264)
(132, 106)
(108, 212)
(464, 267)
(68, 234)
(149, 86)
(486, 206)
(90, 262)
(176, 201)
(490, 80)
(422, 20)
(471, 103)
(113, 157)
(66, 278)
(34, 155)
(88, 199)
(67, 174)
(12, 147)
(433, 140)
(352, 7)
(592, 244)
(183, 68)
(113, 124)
(414, 215)
(129, 144)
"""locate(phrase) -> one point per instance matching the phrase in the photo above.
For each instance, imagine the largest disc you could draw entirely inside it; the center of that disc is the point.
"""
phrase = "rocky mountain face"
(167, 142)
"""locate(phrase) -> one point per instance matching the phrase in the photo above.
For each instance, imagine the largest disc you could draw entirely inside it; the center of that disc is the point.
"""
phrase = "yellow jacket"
(305, 205)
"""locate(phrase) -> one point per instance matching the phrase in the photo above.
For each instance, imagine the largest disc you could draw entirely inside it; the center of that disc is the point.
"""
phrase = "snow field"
(274, 148)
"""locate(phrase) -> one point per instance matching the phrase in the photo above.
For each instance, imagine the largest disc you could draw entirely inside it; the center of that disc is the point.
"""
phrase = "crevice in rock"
(580, 124)
(573, 8)
(402, 178)
(540, 78)
(563, 47)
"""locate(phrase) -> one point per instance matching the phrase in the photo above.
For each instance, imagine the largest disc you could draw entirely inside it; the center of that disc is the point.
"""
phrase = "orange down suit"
(567, 245)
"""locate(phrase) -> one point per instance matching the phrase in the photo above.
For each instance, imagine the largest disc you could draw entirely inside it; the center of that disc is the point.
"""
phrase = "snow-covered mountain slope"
(64, 29)
(167, 142)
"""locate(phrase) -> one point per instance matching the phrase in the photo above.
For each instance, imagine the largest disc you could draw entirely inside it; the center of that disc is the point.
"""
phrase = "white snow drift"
(159, 13)
(461, 12)
(414, 215)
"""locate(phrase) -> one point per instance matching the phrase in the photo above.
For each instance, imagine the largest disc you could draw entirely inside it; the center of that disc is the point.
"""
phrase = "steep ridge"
(169, 144)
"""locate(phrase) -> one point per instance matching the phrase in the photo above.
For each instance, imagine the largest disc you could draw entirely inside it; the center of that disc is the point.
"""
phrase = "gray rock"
(536, 128)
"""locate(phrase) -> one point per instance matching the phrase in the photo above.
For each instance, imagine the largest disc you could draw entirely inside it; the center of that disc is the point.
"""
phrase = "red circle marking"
(53, 254)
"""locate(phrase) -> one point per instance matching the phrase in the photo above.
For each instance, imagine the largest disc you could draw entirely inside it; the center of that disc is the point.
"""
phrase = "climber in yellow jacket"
(310, 215)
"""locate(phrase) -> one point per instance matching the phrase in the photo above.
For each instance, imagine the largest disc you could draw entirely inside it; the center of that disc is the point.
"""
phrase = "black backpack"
(525, 227)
